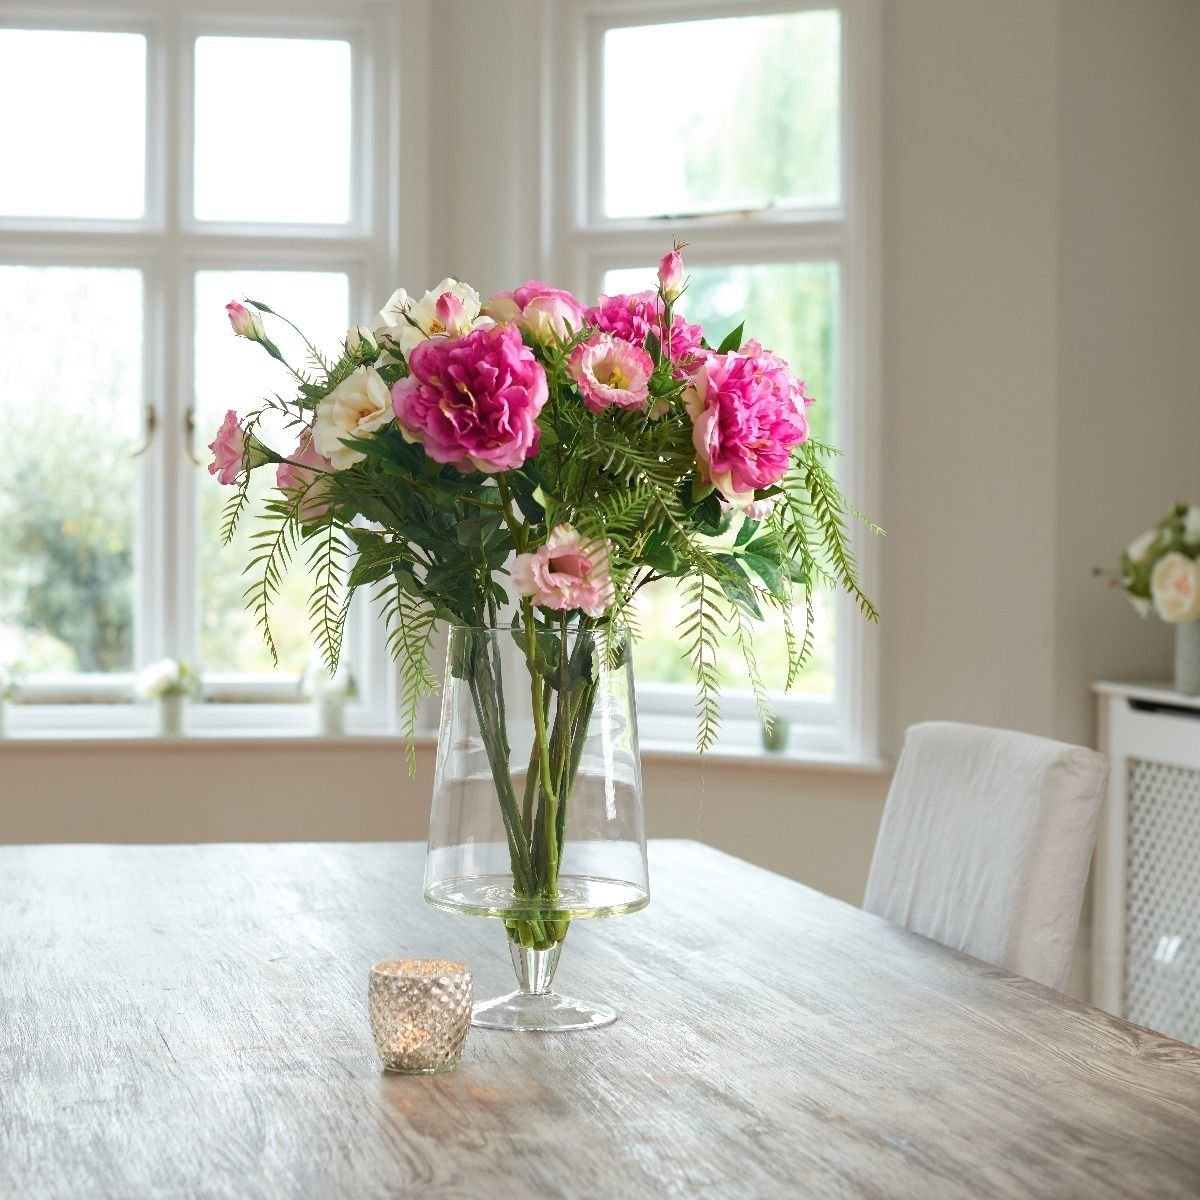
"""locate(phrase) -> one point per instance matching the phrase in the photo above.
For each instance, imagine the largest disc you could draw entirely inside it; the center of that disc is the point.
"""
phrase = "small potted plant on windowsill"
(8, 692)
(170, 682)
(329, 694)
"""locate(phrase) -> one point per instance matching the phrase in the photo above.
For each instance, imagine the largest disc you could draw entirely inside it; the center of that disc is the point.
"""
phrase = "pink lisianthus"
(473, 402)
(244, 321)
(542, 311)
(233, 451)
(670, 276)
(610, 370)
(302, 475)
(635, 317)
(747, 412)
(566, 573)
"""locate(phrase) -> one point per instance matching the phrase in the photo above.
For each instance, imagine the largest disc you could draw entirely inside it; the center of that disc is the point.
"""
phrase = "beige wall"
(1039, 396)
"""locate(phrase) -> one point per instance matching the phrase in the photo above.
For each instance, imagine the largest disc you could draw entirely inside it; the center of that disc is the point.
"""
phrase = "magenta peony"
(747, 412)
(610, 370)
(565, 573)
(302, 474)
(636, 316)
(473, 402)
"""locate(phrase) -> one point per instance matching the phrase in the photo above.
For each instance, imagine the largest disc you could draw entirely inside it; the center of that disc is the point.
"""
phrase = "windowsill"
(223, 739)
(779, 760)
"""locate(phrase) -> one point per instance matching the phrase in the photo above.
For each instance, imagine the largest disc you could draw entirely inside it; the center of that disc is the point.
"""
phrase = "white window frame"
(389, 44)
(580, 243)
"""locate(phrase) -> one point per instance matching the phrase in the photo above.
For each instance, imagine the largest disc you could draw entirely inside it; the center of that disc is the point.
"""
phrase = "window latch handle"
(149, 428)
(189, 438)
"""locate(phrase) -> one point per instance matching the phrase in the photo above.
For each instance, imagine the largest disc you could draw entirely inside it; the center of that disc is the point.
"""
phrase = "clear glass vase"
(537, 814)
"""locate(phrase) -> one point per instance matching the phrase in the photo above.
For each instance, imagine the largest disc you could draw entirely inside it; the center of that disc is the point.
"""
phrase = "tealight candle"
(420, 1011)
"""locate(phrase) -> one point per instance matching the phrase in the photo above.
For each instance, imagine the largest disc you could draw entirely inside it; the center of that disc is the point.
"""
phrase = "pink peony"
(610, 370)
(747, 412)
(302, 474)
(473, 402)
(565, 573)
(542, 311)
(636, 316)
(670, 275)
(229, 448)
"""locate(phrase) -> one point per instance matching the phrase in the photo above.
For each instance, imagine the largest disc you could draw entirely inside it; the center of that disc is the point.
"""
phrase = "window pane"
(73, 133)
(68, 493)
(233, 373)
(272, 130)
(790, 308)
(746, 112)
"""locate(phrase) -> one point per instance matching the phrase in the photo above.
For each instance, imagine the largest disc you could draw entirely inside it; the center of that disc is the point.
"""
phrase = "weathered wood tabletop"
(191, 1021)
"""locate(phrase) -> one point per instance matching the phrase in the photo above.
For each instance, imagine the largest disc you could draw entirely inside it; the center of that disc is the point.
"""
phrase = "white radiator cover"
(1146, 920)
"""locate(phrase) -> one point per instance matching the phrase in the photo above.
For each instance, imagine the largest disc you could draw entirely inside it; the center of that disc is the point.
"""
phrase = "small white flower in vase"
(329, 694)
(8, 691)
(170, 683)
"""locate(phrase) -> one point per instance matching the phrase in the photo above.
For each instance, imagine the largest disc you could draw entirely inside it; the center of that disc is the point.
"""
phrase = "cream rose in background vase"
(170, 683)
(1160, 573)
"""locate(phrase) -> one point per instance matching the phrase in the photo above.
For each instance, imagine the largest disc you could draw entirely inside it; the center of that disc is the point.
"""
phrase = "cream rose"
(1175, 587)
(359, 405)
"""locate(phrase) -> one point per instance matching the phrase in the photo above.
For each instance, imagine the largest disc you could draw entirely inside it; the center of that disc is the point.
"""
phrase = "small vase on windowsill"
(1187, 658)
(329, 695)
(169, 683)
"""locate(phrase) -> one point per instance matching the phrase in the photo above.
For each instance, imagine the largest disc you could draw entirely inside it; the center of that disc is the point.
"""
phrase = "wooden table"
(190, 1021)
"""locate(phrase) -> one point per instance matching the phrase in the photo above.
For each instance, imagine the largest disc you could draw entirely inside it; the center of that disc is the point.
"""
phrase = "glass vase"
(537, 815)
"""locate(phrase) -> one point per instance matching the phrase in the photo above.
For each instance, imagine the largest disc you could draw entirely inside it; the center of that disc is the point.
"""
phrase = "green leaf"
(771, 574)
(661, 554)
(736, 586)
(733, 340)
(748, 530)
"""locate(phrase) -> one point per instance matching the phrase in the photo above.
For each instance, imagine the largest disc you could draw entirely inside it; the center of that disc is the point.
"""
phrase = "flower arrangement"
(1160, 571)
(166, 678)
(539, 454)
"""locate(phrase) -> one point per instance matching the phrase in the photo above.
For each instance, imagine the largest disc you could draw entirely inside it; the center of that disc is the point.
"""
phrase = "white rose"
(1191, 524)
(409, 322)
(1175, 586)
(1138, 547)
(359, 405)
(160, 679)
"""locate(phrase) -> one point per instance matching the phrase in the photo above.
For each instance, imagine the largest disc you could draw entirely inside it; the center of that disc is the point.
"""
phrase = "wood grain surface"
(191, 1022)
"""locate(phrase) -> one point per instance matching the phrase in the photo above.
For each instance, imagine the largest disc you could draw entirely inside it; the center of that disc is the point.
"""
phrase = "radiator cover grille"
(1162, 912)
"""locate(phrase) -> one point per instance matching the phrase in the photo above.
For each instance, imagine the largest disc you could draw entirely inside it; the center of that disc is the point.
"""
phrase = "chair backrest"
(985, 844)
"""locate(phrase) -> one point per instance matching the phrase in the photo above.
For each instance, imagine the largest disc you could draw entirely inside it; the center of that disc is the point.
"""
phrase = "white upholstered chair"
(985, 844)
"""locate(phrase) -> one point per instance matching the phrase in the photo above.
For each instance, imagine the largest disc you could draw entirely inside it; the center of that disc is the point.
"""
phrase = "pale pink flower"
(566, 573)
(1175, 588)
(635, 317)
(610, 370)
(545, 313)
(302, 475)
(245, 321)
(473, 402)
(747, 413)
(228, 447)
(670, 276)
(756, 510)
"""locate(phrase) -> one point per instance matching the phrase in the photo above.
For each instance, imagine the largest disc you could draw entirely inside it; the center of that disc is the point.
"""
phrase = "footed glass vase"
(537, 815)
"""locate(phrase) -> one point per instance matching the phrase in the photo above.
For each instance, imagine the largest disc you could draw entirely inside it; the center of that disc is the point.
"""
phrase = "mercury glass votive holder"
(420, 1010)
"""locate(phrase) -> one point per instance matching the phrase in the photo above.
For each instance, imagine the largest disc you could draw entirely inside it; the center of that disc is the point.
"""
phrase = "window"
(742, 129)
(181, 156)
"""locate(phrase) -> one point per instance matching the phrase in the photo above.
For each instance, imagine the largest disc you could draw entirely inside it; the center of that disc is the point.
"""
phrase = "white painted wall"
(1039, 384)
